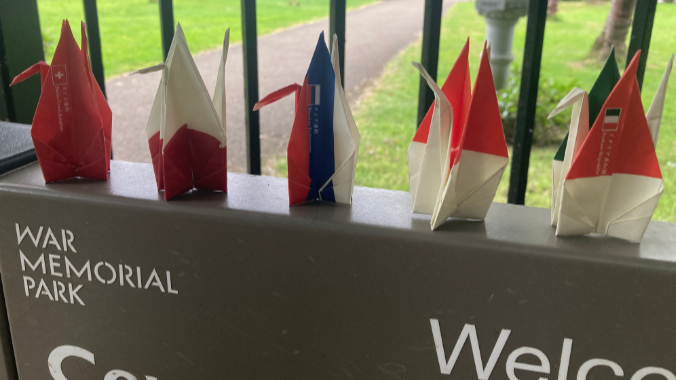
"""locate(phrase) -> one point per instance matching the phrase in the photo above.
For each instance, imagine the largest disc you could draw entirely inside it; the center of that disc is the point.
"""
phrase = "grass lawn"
(387, 116)
(130, 29)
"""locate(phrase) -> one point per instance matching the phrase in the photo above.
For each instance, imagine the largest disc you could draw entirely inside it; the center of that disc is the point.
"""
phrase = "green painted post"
(94, 38)
(430, 54)
(22, 47)
(166, 25)
(525, 116)
(4, 82)
(250, 50)
(641, 31)
(337, 26)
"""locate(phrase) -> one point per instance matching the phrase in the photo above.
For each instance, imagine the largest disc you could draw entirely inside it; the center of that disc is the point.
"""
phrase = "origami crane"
(609, 181)
(324, 142)
(458, 154)
(586, 108)
(73, 123)
(186, 128)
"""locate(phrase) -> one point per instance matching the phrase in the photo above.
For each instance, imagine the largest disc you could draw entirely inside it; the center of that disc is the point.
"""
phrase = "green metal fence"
(21, 46)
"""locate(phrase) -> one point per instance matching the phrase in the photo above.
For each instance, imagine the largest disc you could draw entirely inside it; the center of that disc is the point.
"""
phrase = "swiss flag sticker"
(59, 75)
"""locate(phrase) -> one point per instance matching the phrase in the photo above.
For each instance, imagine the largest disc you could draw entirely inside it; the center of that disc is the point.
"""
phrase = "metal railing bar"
(525, 116)
(94, 38)
(430, 54)
(641, 31)
(166, 26)
(6, 103)
(250, 56)
(337, 26)
(22, 41)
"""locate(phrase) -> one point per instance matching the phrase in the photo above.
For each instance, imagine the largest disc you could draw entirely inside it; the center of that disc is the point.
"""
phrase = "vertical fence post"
(337, 26)
(525, 116)
(21, 47)
(250, 50)
(94, 38)
(5, 98)
(166, 25)
(430, 54)
(641, 31)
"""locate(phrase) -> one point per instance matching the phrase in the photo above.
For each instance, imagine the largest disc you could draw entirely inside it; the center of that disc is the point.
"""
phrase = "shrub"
(550, 92)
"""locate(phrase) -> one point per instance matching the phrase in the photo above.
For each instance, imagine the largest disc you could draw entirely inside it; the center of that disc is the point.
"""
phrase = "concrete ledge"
(266, 198)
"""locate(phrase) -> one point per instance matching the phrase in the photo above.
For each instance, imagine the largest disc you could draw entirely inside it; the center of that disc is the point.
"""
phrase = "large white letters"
(59, 354)
(483, 373)
(513, 364)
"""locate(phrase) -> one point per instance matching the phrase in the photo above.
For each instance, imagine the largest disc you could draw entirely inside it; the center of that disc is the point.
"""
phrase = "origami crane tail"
(654, 114)
(209, 161)
(41, 67)
(346, 136)
(476, 205)
(101, 102)
(219, 92)
(279, 94)
(177, 164)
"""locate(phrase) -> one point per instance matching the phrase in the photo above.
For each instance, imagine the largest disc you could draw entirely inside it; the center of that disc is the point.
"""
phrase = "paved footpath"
(375, 34)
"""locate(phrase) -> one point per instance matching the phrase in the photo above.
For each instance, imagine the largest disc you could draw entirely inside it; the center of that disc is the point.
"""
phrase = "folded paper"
(458, 154)
(586, 108)
(186, 128)
(324, 142)
(610, 179)
(72, 125)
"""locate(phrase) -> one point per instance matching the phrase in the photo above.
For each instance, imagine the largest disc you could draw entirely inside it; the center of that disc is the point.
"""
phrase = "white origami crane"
(186, 128)
(610, 182)
(459, 153)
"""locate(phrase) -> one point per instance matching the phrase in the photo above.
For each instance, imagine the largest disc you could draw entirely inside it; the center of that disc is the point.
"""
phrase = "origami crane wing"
(630, 204)
(614, 182)
(579, 128)
(481, 157)
(346, 138)
(654, 114)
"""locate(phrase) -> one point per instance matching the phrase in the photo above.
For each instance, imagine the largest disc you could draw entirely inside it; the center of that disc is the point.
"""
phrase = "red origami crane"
(73, 122)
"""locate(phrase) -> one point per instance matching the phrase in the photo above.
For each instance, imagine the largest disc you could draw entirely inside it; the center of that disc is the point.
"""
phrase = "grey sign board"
(105, 281)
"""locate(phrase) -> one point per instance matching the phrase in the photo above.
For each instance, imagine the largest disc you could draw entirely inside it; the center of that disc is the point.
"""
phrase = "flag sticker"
(611, 119)
(313, 94)
(59, 75)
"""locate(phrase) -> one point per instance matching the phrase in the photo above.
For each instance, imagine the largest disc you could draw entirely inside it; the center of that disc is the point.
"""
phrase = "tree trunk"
(615, 30)
(552, 7)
